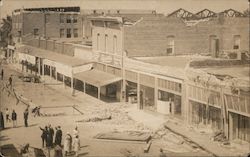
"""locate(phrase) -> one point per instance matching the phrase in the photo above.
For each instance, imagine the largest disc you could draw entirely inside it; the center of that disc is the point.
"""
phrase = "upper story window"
(68, 33)
(61, 33)
(75, 32)
(236, 44)
(68, 18)
(36, 32)
(170, 44)
(61, 18)
(75, 18)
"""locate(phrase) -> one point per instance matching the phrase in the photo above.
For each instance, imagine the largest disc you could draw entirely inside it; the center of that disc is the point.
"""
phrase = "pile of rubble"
(173, 142)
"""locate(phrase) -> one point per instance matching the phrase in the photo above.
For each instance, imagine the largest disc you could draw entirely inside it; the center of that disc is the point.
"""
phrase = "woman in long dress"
(67, 144)
(76, 145)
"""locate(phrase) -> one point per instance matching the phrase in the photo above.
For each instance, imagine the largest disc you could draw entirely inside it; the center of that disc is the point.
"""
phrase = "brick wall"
(27, 22)
(149, 37)
(31, 22)
(51, 45)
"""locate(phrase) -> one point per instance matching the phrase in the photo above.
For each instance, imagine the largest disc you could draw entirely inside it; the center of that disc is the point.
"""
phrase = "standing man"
(7, 114)
(25, 116)
(10, 81)
(44, 135)
(14, 118)
(51, 135)
(2, 73)
(1, 121)
(58, 137)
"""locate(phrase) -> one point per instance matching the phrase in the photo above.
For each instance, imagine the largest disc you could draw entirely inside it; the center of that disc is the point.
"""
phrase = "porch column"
(63, 81)
(138, 91)
(230, 126)
(50, 72)
(99, 93)
(84, 87)
(39, 66)
(56, 74)
(156, 92)
(72, 85)
(43, 70)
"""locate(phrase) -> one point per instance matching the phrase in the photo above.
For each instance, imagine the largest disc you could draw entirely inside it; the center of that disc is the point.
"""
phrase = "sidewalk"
(202, 140)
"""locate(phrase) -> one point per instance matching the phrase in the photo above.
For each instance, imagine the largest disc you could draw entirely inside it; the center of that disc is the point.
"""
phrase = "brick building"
(61, 22)
(175, 35)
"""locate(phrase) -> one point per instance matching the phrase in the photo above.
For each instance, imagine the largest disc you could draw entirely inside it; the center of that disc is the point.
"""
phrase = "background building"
(60, 22)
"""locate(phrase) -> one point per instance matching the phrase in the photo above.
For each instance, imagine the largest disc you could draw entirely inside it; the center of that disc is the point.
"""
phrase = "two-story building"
(54, 23)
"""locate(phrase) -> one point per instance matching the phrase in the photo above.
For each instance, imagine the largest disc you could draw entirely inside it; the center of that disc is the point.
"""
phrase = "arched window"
(98, 41)
(106, 43)
(236, 44)
(115, 44)
(170, 44)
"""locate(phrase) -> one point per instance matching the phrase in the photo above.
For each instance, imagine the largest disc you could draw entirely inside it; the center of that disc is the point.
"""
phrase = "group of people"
(71, 143)
(48, 136)
(8, 118)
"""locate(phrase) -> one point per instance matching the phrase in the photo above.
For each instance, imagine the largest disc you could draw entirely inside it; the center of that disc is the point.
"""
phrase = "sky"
(161, 6)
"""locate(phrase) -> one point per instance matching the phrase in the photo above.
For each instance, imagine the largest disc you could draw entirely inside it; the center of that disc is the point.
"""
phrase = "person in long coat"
(50, 136)
(67, 144)
(1, 121)
(14, 118)
(58, 137)
(76, 145)
(25, 116)
(44, 135)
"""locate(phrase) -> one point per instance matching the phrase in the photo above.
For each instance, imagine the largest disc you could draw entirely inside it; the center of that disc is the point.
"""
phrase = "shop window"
(236, 45)
(68, 33)
(61, 18)
(61, 33)
(36, 31)
(115, 44)
(75, 32)
(170, 45)
(75, 19)
(68, 19)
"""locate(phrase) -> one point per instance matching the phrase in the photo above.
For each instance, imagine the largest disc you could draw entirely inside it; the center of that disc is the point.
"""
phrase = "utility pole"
(123, 67)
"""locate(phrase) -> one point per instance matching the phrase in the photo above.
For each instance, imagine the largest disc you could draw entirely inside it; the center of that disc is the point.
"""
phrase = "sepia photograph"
(124, 78)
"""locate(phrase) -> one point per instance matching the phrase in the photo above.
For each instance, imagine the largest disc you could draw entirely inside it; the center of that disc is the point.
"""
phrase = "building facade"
(63, 22)
(175, 35)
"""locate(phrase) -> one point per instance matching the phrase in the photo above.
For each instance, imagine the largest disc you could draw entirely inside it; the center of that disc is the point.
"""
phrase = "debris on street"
(125, 136)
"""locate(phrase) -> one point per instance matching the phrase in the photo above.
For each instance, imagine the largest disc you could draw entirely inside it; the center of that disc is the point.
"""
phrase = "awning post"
(99, 93)
(84, 87)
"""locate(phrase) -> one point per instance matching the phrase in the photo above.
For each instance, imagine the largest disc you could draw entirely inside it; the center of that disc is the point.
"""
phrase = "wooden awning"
(97, 78)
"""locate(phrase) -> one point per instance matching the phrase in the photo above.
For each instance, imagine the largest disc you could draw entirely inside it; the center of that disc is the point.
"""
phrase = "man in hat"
(58, 137)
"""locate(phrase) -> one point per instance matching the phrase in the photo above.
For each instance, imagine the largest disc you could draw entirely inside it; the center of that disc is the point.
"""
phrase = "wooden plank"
(146, 149)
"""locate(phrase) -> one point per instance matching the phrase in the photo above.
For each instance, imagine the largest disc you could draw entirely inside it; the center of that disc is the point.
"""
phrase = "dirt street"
(56, 102)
